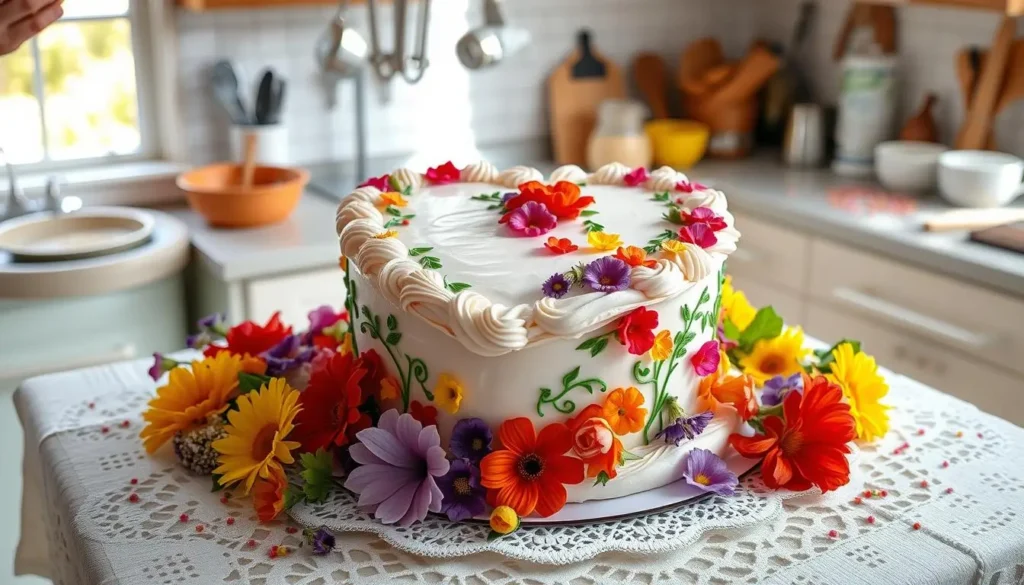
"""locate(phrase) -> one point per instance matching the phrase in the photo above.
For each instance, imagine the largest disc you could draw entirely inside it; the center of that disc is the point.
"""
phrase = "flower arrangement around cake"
(284, 417)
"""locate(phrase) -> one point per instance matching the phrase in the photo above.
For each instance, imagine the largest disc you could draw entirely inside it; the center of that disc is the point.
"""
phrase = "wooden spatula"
(249, 159)
(650, 75)
(975, 131)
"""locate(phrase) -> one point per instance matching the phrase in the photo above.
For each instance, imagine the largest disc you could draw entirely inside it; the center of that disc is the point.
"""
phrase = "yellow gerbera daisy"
(857, 374)
(256, 431)
(603, 242)
(448, 393)
(189, 397)
(662, 348)
(735, 306)
(780, 356)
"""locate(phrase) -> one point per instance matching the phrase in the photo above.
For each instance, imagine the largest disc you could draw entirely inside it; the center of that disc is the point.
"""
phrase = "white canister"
(867, 112)
(271, 143)
(619, 135)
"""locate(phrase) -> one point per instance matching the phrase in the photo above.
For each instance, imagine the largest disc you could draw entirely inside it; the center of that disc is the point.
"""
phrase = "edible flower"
(530, 471)
(268, 495)
(779, 356)
(705, 216)
(444, 174)
(603, 242)
(324, 322)
(161, 364)
(504, 520)
(251, 338)
(448, 393)
(776, 389)
(556, 286)
(807, 445)
(607, 274)
(686, 428)
(402, 458)
(563, 199)
(595, 443)
(635, 256)
(288, 355)
(424, 413)
(857, 374)
(471, 439)
(623, 409)
(706, 359)
(464, 497)
(736, 307)
(663, 345)
(389, 388)
(322, 540)
(531, 219)
(685, 186)
(389, 198)
(674, 247)
(385, 235)
(637, 176)
(560, 245)
(699, 234)
(707, 472)
(381, 183)
(636, 330)
(331, 404)
(736, 392)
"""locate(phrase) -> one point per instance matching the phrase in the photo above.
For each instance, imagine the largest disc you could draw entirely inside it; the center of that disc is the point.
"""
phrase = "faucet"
(18, 204)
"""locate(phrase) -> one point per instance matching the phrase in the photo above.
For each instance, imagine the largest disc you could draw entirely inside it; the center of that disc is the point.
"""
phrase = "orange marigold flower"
(268, 495)
(623, 410)
(529, 473)
(560, 245)
(737, 392)
(635, 256)
(389, 389)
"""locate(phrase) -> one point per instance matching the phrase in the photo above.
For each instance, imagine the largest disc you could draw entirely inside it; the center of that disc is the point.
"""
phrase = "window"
(71, 96)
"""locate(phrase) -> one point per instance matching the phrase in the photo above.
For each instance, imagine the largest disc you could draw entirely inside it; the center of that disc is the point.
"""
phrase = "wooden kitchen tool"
(249, 159)
(651, 74)
(750, 75)
(575, 89)
(969, 62)
(972, 219)
(921, 127)
(881, 19)
(696, 63)
(974, 133)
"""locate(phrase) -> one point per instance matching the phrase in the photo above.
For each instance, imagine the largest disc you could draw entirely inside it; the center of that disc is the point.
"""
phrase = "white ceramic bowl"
(980, 178)
(903, 165)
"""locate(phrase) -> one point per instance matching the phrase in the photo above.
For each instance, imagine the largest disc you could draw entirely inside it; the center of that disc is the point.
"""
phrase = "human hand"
(21, 20)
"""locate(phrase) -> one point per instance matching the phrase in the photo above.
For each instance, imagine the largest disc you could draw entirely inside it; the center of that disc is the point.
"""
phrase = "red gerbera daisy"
(331, 415)
(636, 330)
(251, 338)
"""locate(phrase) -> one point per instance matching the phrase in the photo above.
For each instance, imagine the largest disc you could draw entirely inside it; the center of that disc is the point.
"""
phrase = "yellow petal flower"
(603, 242)
(662, 346)
(504, 520)
(673, 246)
(343, 263)
(857, 374)
(392, 198)
(345, 347)
(448, 393)
(736, 307)
(389, 389)
(780, 356)
(386, 235)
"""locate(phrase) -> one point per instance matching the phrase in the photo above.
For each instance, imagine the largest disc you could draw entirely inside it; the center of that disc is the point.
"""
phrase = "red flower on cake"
(563, 200)
(560, 245)
(636, 330)
(635, 256)
(444, 174)
(699, 234)
(381, 183)
(427, 415)
(688, 187)
(706, 360)
(706, 216)
(807, 446)
(529, 473)
(637, 176)
(330, 414)
(251, 338)
(594, 442)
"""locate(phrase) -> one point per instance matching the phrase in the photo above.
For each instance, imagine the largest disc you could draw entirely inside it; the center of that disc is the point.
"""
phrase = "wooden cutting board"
(575, 90)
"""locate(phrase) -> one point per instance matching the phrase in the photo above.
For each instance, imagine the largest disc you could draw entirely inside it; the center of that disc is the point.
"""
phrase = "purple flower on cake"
(686, 428)
(464, 497)
(398, 463)
(320, 319)
(287, 355)
(608, 274)
(776, 389)
(471, 439)
(556, 286)
(707, 472)
(707, 359)
(532, 219)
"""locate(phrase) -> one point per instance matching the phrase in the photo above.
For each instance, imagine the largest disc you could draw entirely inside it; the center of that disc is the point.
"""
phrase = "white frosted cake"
(467, 285)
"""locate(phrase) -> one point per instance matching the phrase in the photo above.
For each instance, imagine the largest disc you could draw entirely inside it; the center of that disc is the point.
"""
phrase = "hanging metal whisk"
(387, 65)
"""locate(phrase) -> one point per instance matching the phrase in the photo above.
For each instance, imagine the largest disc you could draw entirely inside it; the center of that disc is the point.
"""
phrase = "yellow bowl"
(679, 144)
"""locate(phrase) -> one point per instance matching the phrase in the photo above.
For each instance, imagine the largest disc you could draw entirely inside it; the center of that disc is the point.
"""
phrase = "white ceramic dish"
(980, 178)
(908, 166)
(98, 231)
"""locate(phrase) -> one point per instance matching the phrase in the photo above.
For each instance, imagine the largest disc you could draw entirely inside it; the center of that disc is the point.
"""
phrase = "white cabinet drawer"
(998, 392)
(787, 304)
(770, 254)
(295, 295)
(960, 316)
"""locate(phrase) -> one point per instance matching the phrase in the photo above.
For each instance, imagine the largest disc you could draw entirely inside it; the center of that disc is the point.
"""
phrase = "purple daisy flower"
(287, 355)
(471, 439)
(463, 495)
(160, 365)
(399, 462)
(556, 286)
(532, 219)
(776, 389)
(707, 472)
(607, 274)
(686, 428)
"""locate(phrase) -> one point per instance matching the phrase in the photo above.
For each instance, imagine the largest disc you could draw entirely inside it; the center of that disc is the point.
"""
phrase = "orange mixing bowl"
(216, 193)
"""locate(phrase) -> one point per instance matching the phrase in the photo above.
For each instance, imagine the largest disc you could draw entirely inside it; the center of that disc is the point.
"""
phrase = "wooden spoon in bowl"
(249, 159)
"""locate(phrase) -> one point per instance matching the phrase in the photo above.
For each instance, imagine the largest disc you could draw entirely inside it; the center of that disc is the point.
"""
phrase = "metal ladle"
(487, 45)
(387, 65)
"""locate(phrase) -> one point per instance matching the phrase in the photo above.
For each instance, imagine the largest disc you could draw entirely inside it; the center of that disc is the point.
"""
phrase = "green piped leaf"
(420, 251)
(392, 210)
(673, 216)
(588, 213)
(432, 262)
(392, 323)
(602, 479)
(393, 338)
(457, 287)
(594, 345)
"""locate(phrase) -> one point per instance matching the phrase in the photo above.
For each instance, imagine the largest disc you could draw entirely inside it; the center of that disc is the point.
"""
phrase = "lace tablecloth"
(953, 511)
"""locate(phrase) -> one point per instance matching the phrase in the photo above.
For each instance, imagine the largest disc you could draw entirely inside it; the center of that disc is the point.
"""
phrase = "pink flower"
(532, 219)
(706, 360)
(444, 174)
(382, 183)
(706, 216)
(594, 437)
(688, 187)
(637, 176)
(699, 234)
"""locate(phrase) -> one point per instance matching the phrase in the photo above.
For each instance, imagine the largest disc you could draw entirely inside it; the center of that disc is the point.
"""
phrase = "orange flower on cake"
(530, 470)
(623, 409)
(595, 443)
(562, 200)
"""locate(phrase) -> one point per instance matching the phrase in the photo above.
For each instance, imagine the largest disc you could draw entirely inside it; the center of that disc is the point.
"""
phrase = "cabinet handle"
(115, 354)
(910, 318)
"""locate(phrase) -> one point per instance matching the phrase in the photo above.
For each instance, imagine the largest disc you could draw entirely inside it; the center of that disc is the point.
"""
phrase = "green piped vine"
(570, 382)
(352, 306)
(414, 369)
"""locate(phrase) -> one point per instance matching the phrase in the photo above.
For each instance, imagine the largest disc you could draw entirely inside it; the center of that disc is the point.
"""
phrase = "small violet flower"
(532, 219)
(707, 472)
(214, 321)
(287, 355)
(464, 497)
(686, 428)
(637, 176)
(776, 389)
(321, 539)
(199, 340)
(160, 365)
(508, 197)
(471, 439)
(556, 286)
(607, 274)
